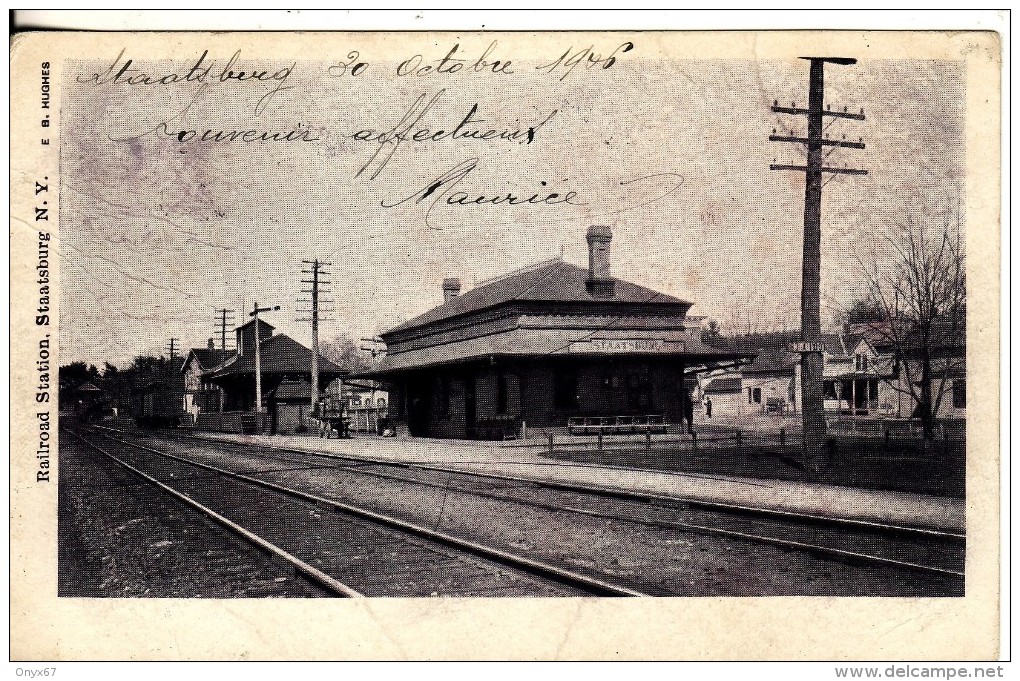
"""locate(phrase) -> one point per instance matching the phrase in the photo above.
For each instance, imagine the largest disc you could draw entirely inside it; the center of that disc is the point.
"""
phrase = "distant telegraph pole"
(812, 405)
(172, 347)
(317, 283)
(224, 318)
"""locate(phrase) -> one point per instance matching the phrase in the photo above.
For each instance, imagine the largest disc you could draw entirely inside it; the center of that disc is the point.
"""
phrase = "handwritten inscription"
(411, 129)
(441, 189)
(375, 144)
(586, 56)
(450, 64)
(200, 72)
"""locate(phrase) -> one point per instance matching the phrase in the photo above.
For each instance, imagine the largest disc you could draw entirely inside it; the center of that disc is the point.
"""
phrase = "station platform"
(897, 508)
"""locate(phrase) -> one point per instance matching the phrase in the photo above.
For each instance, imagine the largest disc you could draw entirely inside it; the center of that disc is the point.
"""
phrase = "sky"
(158, 233)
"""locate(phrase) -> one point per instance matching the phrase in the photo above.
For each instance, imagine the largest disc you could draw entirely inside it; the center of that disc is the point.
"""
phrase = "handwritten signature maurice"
(440, 191)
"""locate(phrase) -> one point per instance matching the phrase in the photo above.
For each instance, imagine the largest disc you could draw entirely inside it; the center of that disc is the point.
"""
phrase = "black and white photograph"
(513, 317)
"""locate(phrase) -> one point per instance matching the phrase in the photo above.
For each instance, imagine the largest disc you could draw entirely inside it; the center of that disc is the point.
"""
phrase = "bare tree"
(345, 354)
(922, 296)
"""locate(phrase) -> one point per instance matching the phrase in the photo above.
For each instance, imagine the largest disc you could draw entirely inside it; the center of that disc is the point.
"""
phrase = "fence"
(895, 439)
(232, 422)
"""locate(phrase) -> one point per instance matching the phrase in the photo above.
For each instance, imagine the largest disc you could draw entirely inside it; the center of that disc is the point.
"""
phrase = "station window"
(960, 394)
(829, 390)
(757, 395)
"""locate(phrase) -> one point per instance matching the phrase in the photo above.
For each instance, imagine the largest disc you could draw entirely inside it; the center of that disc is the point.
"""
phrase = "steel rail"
(625, 493)
(330, 583)
(816, 549)
(591, 584)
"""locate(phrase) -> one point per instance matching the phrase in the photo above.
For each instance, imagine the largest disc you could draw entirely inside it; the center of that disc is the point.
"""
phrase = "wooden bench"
(616, 425)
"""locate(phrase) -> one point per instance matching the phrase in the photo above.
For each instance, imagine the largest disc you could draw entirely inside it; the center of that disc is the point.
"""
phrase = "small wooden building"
(286, 382)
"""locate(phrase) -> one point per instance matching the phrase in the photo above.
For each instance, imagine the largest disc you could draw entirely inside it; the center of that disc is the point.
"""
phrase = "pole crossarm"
(823, 112)
(823, 141)
(821, 169)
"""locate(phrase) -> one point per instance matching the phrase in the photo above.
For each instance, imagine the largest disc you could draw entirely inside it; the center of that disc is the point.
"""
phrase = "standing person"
(708, 407)
(688, 413)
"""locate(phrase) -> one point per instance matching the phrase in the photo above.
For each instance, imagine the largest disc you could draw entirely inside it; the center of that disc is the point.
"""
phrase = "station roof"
(535, 344)
(281, 354)
(555, 281)
(209, 358)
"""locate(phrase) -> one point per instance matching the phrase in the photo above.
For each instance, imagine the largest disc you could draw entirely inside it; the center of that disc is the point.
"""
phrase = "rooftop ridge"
(520, 270)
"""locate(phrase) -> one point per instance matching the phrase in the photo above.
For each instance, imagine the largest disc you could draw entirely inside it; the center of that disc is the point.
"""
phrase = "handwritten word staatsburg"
(201, 72)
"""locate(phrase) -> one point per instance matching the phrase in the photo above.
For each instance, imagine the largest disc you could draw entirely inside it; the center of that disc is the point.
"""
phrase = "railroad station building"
(286, 382)
(541, 345)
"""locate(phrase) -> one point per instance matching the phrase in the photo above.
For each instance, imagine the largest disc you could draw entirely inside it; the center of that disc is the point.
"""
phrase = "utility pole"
(316, 282)
(810, 348)
(173, 349)
(224, 318)
(258, 356)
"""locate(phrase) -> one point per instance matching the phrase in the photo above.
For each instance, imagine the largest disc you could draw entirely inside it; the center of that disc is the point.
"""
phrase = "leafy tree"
(74, 374)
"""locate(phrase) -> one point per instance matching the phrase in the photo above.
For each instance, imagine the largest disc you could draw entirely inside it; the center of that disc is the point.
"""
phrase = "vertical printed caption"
(44, 419)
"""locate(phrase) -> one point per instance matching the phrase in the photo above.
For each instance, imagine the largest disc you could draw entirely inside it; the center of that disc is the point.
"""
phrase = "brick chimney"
(451, 289)
(600, 279)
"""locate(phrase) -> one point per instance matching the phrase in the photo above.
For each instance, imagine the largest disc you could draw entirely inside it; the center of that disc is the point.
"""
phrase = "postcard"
(492, 345)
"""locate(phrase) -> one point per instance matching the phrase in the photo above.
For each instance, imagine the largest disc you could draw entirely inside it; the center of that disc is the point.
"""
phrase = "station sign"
(804, 346)
(627, 345)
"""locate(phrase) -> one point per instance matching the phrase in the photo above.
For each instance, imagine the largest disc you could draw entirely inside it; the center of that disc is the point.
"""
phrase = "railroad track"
(935, 553)
(348, 550)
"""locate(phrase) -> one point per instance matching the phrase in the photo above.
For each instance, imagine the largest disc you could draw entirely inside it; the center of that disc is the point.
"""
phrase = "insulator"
(775, 102)
(844, 109)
